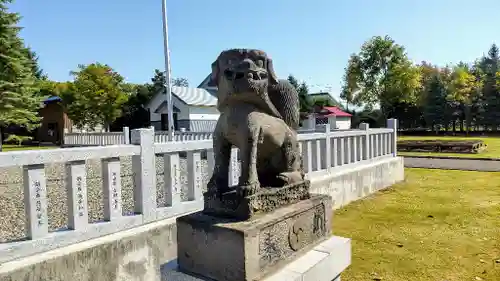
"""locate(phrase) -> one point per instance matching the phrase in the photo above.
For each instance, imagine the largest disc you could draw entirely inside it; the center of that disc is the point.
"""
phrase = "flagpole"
(168, 79)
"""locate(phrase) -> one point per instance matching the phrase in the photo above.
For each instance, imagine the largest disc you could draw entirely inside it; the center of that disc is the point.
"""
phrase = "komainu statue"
(259, 114)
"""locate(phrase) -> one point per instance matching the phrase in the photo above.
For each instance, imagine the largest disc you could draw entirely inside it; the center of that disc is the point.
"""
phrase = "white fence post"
(144, 169)
(328, 149)
(366, 148)
(393, 124)
(311, 121)
(126, 135)
(307, 156)
(332, 121)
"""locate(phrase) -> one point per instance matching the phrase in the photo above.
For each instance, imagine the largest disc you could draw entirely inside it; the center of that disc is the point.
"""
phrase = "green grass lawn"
(13, 147)
(492, 151)
(437, 225)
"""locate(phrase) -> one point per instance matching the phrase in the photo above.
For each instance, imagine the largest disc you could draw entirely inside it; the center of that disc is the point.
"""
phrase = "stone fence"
(111, 138)
(72, 195)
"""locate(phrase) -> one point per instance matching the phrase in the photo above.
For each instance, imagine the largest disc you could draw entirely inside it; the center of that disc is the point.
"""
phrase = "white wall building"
(342, 119)
(194, 108)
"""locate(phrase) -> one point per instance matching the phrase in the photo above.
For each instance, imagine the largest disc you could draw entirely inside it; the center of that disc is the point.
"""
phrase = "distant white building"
(194, 108)
(342, 118)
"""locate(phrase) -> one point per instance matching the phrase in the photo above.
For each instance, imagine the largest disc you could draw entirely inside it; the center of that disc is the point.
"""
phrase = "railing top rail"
(179, 146)
(182, 133)
(380, 130)
(311, 136)
(95, 133)
(347, 133)
(48, 156)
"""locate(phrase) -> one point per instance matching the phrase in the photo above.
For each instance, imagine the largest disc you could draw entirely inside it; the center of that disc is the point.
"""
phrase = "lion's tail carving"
(286, 100)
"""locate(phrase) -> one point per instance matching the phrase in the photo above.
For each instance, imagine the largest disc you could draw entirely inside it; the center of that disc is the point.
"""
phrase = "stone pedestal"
(325, 262)
(231, 204)
(226, 249)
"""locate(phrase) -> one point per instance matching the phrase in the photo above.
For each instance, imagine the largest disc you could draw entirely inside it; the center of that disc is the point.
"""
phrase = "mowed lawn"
(492, 151)
(437, 225)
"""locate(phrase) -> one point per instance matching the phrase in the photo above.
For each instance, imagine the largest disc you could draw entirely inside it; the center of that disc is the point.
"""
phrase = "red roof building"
(325, 114)
(329, 111)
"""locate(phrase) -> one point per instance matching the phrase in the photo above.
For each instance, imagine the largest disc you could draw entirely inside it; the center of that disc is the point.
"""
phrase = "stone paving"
(453, 164)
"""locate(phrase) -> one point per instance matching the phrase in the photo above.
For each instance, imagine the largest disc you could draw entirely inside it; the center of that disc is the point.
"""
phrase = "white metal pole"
(168, 82)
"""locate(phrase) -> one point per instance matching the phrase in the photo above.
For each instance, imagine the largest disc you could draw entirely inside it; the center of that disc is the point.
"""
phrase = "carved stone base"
(228, 250)
(232, 205)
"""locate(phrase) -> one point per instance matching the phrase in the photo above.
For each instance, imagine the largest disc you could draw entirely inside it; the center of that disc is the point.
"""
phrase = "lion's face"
(242, 74)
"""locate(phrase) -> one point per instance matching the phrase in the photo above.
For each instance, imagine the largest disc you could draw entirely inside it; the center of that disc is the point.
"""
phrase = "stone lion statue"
(259, 114)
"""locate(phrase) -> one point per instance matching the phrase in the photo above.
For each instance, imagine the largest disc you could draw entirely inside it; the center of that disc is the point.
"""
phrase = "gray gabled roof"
(163, 107)
(207, 82)
(195, 96)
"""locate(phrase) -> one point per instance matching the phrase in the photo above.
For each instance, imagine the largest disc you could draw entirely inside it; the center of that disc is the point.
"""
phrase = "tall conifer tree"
(18, 103)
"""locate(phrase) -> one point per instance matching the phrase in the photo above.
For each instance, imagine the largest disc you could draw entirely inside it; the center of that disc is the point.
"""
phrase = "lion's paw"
(291, 177)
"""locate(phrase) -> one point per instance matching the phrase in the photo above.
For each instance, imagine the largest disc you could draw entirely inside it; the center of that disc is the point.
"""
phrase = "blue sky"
(310, 39)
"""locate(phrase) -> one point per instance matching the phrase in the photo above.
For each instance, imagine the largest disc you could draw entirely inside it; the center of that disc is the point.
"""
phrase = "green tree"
(465, 89)
(18, 103)
(134, 113)
(35, 66)
(159, 81)
(491, 91)
(435, 107)
(351, 81)
(96, 96)
(303, 91)
(180, 82)
(381, 74)
(321, 102)
(295, 83)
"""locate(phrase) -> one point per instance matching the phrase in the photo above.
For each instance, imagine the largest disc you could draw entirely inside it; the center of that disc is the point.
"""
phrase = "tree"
(18, 103)
(303, 91)
(96, 96)
(351, 81)
(381, 74)
(134, 113)
(321, 102)
(464, 94)
(491, 91)
(180, 82)
(35, 67)
(465, 89)
(159, 81)
(434, 111)
(292, 80)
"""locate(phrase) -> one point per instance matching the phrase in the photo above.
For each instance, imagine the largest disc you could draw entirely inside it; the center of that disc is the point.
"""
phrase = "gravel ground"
(452, 164)
(12, 216)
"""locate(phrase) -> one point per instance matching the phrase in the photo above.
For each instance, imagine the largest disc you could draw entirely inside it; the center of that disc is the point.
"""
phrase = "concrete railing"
(101, 138)
(162, 136)
(113, 138)
(321, 151)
